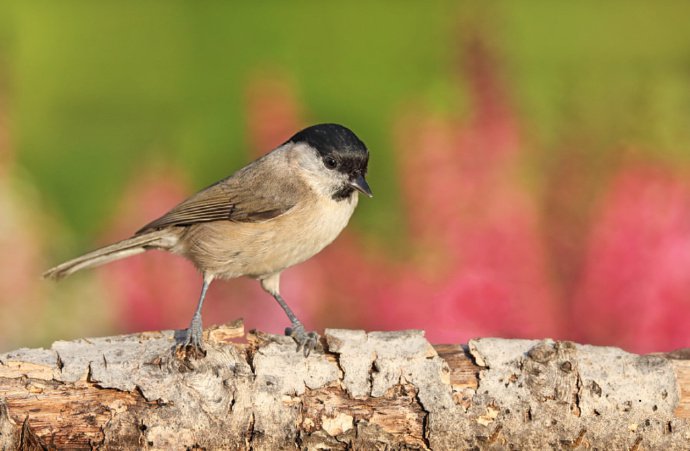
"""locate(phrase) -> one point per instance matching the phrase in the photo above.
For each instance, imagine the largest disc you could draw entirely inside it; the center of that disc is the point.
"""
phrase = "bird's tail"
(157, 239)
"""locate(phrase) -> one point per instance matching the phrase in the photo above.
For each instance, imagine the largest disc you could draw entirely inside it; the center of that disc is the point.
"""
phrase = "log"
(375, 390)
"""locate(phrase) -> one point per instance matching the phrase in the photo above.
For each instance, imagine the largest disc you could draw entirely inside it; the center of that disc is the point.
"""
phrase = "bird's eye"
(330, 162)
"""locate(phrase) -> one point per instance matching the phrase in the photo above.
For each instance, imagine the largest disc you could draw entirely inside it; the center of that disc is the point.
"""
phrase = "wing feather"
(241, 198)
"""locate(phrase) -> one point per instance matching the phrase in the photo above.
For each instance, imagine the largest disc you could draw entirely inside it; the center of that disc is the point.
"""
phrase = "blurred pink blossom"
(21, 242)
(635, 290)
(151, 290)
(467, 206)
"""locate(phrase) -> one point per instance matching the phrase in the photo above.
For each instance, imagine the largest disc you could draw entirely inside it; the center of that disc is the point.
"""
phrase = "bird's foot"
(306, 341)
(191, 345)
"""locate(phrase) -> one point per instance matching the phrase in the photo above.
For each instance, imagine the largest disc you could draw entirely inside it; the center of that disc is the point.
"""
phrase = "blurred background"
(530, 162)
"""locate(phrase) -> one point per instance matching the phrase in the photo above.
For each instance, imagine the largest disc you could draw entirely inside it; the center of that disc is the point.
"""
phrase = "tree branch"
(368, 390)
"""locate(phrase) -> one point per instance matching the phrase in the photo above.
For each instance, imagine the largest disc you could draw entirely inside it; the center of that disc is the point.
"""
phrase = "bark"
(376, 390)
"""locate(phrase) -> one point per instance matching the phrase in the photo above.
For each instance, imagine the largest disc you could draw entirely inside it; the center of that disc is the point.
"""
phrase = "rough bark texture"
(376, 390)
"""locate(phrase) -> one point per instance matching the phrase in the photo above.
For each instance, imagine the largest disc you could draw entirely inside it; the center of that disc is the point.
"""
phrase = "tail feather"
(159, 239)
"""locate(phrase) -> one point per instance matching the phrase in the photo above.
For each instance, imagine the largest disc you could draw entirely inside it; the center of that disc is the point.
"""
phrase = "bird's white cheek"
(325, 184)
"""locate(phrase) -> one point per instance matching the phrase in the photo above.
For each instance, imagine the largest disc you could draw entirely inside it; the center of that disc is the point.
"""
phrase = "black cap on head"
(329, 138)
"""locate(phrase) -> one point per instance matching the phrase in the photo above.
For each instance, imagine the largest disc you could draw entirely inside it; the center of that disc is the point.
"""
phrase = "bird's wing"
(247, 196)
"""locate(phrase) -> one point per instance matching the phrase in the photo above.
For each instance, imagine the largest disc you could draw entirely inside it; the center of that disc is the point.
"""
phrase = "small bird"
(276, 212)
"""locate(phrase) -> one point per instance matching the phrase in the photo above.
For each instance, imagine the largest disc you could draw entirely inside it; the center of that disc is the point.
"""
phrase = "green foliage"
(612, 73)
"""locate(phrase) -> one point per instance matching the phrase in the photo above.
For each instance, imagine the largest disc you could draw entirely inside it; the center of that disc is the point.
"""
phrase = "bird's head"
(337, 159)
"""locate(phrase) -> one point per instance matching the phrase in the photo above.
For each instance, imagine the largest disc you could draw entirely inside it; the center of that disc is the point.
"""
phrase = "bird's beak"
(361, 185)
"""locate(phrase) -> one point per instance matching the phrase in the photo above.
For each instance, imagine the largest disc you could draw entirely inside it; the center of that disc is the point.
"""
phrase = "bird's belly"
(231, 249)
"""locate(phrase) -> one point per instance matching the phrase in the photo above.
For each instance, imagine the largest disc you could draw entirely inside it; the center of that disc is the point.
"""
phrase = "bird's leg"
(192, 344)
(306, 341)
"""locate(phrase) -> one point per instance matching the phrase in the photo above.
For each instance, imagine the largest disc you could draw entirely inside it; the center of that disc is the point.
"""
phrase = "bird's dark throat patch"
(343, 193)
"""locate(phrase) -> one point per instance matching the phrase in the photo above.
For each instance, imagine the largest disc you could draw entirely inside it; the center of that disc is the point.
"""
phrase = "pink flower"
(636, 284)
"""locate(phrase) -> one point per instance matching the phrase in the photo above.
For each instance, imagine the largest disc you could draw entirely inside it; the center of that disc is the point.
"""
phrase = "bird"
(279, 210)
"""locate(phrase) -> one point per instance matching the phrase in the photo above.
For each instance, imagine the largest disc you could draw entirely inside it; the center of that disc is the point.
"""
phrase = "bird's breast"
(326, 221)
(307, 231)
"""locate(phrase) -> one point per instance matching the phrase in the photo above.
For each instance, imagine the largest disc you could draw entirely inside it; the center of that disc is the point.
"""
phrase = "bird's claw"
(306, 341)
(191, 347)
